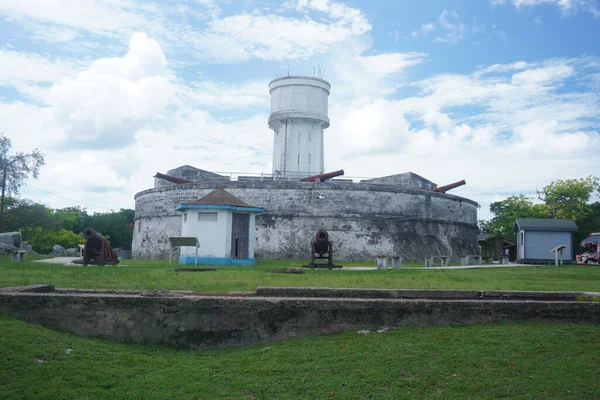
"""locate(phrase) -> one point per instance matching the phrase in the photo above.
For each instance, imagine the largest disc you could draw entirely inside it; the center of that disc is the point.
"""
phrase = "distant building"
(492, 246)
(537, 236)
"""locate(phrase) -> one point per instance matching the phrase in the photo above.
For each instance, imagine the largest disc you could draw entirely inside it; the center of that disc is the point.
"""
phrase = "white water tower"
(298, 118)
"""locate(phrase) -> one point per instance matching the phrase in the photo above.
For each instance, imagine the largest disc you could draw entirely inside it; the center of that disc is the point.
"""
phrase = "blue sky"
(501, 93)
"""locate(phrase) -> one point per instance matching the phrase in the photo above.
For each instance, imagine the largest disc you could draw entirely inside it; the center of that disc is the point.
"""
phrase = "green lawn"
(507, 360)
(150, 275)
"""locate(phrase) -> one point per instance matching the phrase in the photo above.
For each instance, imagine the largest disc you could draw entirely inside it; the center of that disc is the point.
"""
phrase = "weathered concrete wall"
(363, 219)
(182, 319)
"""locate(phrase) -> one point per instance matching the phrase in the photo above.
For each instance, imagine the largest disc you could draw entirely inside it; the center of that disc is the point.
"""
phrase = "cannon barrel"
(93, 239)
(97, 249)
(173, 179)
(322, 177)
(322, 242)
(444, 189)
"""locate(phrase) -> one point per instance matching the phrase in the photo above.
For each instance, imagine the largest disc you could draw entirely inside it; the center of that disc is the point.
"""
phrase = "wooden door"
(239, 236)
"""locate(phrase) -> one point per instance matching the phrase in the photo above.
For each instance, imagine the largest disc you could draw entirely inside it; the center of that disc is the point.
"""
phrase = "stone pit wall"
(363, 219)
(193, 321)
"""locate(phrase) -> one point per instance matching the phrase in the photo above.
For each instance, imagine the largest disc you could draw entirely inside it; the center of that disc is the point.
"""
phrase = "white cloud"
(389, 63)
(566, 6)
(110, 100)
(274, 37)
(504, 128)
(106, 16)
(452, 31)
(213, 94)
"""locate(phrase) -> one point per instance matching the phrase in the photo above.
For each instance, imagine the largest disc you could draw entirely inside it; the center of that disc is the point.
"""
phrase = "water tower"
(298, 118)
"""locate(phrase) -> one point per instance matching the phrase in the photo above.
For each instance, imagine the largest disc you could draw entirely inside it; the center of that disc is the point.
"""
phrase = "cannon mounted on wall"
(445, 188)
(321, 249)
(322, 177)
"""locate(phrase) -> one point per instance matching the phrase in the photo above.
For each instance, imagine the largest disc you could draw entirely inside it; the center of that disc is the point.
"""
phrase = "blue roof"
(219, 207)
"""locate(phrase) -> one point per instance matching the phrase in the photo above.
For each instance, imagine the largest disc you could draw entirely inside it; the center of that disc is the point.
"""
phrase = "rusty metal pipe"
(322, 177)
(173, 179)
(444, 189)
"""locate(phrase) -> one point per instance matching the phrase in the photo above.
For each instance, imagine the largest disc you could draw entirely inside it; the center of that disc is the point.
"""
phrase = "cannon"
(97, 249)
(321, 249)
(174, 179)
(322, 177)
(445, 188)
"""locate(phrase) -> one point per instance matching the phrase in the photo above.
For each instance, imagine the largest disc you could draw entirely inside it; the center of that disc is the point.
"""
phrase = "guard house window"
(184, 217)
(310, 136)
(298, 158)
(207, 217)
(309, 157)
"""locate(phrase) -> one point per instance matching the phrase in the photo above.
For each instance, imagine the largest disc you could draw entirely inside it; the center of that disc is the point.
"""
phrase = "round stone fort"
(392, 215)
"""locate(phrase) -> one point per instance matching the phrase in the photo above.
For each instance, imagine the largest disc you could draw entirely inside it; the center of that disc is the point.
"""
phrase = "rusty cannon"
(97, 249)
(322, 177)
(321, 249)
(445, 188)
(173, 179)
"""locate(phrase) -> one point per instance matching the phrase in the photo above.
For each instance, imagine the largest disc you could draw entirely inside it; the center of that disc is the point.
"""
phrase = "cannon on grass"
(97, 249)
(321, 249)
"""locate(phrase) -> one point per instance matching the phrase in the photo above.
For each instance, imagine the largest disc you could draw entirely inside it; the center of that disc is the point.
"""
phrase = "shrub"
(42, 240)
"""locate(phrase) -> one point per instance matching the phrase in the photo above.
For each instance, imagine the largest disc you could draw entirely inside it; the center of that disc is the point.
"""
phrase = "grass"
(153, 275)
(505, 360)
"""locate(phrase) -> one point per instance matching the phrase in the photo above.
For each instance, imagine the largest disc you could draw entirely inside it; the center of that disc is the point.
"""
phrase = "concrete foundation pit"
(192, 320)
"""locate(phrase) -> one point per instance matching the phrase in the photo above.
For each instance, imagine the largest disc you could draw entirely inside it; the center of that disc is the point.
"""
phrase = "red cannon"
(321, 249)
(174, 179)
(323, 177)
(97, 249)
(444, 189)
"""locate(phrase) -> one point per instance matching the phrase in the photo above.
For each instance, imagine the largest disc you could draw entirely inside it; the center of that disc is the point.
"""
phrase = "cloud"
(30, 73)
(505, 128)
(452, 31)
(221, 95)
(566, 6)
(275, 37)
(194, 31)
(103, 17)
(106, 104)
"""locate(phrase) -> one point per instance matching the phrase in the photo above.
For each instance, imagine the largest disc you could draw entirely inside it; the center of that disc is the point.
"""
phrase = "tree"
(15, 169)
(569, 198)
(508, 210)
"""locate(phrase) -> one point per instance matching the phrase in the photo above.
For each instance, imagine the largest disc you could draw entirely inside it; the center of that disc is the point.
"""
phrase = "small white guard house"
(224, 226)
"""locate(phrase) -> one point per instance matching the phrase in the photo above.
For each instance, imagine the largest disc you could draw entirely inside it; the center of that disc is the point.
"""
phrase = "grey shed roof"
(545, 224)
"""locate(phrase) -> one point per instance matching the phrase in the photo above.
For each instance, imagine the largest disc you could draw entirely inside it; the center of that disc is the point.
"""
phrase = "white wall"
(214, 236)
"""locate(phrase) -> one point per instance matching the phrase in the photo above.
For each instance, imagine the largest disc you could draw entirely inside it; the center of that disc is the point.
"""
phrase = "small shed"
(492, 246)
(224, 226)
(536, 237)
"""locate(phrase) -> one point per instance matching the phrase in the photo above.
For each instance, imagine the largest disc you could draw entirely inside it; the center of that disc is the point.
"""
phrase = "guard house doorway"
(240, 230)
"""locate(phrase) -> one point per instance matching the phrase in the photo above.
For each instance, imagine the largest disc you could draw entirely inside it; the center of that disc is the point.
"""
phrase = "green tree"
(569, 198)
(508, 210)
(15, 169)
(22, 213)
(116, 225)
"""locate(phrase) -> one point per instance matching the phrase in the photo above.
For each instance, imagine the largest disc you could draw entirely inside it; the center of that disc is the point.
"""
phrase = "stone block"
(396, 262)
(382, 262)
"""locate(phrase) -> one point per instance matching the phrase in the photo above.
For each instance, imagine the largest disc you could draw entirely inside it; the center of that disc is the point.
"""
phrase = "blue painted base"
(189, 260)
